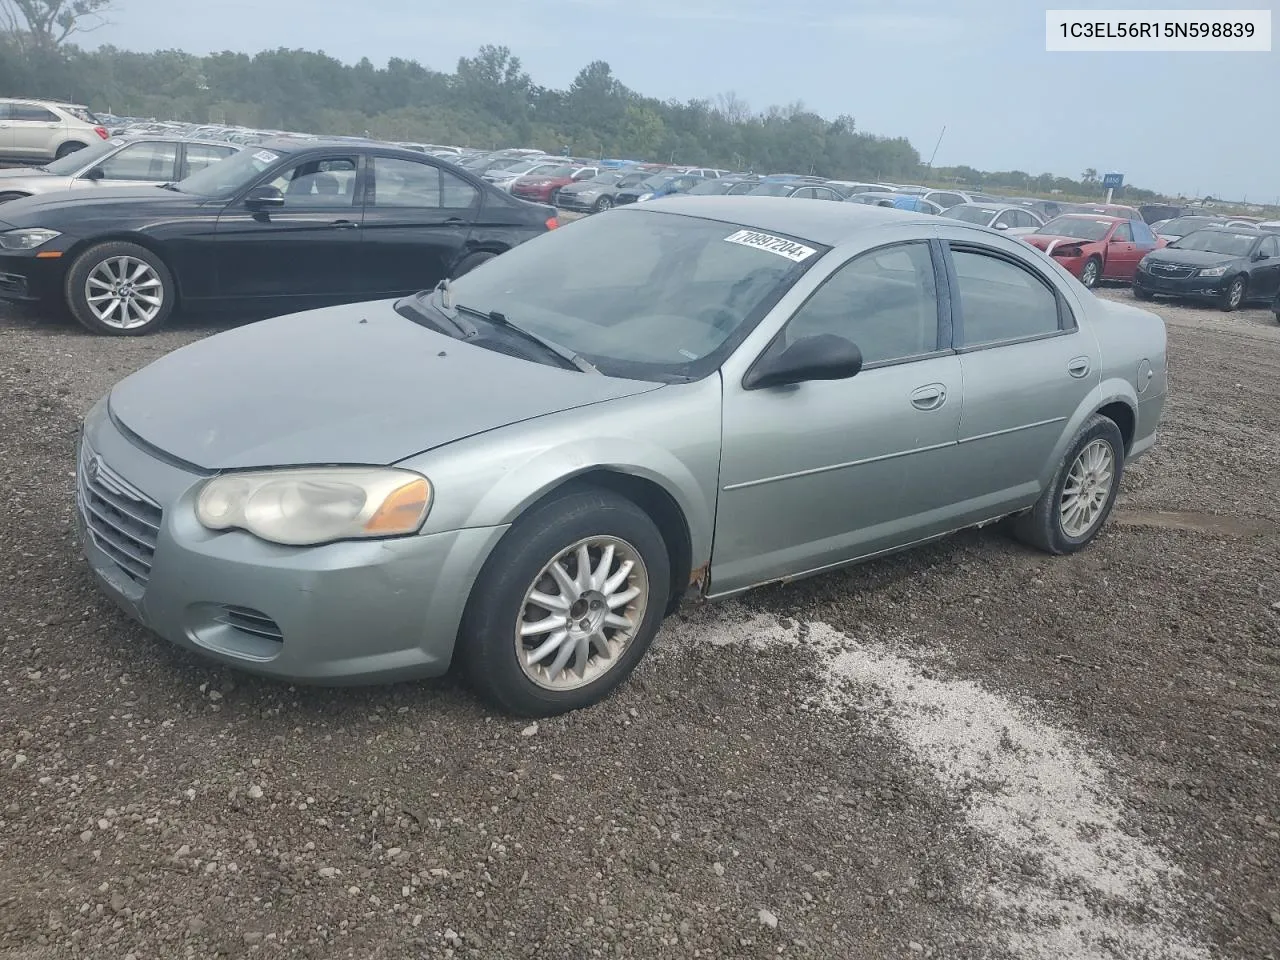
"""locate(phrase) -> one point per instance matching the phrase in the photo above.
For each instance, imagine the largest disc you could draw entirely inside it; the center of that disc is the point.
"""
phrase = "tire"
(6, 197)
(1140, 293)
(1233, 296)
(499, 664)
(110, 260)
(1091, 273)
(1044, 526)
(469, 263)
(603, 204)
(70, 146)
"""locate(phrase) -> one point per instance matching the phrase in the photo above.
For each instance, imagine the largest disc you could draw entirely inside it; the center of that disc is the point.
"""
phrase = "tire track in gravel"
(1068, 881)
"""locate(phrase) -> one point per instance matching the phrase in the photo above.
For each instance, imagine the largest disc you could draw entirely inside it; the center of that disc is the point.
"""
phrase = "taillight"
(102, 132)
(552, 223)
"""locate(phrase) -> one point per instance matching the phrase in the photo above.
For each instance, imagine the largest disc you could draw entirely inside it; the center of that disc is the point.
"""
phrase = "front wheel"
(566, 605)
(1076, 504)
(603, 204)
(1091, 273)
(1234, 294)
(1141, 293)
(120, 289)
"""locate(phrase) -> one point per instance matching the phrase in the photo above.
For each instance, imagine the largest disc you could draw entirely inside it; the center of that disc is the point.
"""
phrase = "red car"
(1096, 248)
(543, 187)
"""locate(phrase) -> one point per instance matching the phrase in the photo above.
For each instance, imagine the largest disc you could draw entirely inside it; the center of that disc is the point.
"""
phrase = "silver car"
(525, 470)
(120, 161)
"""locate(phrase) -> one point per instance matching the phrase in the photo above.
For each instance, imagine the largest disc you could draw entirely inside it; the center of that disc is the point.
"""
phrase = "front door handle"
(1078, 367)
(929, 397)
(454, 221)
(344, 224)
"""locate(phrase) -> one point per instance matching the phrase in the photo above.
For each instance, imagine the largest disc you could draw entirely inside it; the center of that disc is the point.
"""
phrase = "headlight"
(26, 239)
(586, 193)
(645, 196)
(1213, 271)
(298, 507)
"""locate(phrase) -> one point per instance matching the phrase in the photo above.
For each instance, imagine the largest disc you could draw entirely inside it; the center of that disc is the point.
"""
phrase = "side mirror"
(824, 357)
(262, 198)
(1001, 226)
(95, 174)
(1261, 256)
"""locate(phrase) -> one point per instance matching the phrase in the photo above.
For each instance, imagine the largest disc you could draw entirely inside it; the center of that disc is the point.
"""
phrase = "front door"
(823, 472)
(1122, 254)
(417, 220)
(309, 249)
(1027, 367)
(1266, 272)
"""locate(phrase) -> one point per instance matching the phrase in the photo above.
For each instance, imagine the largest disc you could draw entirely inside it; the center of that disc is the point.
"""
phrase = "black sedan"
(286, 225)
(1230, 265)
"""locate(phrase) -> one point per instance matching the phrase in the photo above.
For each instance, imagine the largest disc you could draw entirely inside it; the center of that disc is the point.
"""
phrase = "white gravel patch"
(1033, 792)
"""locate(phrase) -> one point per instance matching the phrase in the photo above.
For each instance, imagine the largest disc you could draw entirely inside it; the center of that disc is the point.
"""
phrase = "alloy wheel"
(124, 292)
(1087, 489)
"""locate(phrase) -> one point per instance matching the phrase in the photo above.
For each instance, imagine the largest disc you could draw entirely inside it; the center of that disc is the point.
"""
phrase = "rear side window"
(84, 114)
(1001, 301)
(33, 113)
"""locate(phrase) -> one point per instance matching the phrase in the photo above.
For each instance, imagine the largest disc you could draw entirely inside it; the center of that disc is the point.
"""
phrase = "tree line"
(489, 100)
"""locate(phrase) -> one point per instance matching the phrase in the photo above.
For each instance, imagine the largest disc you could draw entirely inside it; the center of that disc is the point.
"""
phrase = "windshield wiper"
(458, 327)
(499, 319)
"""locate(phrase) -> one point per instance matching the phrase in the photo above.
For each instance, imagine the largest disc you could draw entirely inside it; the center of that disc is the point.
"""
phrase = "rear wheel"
(1076, 504)
(1233, 296)
(69, 147)
(566, 605)
(120, 289)
(1091, 273)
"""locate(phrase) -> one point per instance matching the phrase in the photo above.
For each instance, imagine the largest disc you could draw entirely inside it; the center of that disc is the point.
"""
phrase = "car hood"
(32, 208)
(355, 384)
(20, 173)
(1190, 258)
(1044, 241)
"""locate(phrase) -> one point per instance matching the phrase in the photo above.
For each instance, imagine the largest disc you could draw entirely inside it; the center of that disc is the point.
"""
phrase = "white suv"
(44, 130)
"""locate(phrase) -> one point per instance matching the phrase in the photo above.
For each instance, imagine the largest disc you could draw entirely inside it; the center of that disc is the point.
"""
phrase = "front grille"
(250, 621)
(1170, 271)
(122, 521)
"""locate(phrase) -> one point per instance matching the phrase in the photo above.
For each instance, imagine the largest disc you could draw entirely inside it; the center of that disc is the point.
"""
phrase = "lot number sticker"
(266, 156)
(767, 241)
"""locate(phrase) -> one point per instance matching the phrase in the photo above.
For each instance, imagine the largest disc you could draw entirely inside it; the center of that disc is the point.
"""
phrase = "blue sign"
(1113, 181)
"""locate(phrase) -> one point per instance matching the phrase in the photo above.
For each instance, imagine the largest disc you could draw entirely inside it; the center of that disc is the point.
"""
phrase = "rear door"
(1026, 367)
(37, 130)
(417, 219)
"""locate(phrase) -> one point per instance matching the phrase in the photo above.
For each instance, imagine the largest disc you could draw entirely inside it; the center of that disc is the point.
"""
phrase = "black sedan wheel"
(566, 605)
(120, 289)
(1233, 296)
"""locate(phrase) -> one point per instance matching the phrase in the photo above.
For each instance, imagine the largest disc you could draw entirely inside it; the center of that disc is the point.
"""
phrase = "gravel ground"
(971, 750)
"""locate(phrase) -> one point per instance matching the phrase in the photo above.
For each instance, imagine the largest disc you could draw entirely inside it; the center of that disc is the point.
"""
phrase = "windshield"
(1217, 241)
(561, 171)
(606, 179)
(521, 166)
(656, 180)
(1181, 226)
(712, 188)
(1078, 228)
(773, 190)
(73, 163)
(981, 215)
(685, 293)
(226, 177)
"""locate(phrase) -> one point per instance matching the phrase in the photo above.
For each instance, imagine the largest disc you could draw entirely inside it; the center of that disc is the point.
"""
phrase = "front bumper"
(24, 278)
(1192, 287)
(572, 201)
(354, 612)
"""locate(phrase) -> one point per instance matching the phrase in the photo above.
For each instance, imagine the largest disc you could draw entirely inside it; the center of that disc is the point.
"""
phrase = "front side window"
(885, 301)
(1142, 233)
(1270, 247)
(1123, 234)
(152, 160)
(324, 182)
(1000, 300)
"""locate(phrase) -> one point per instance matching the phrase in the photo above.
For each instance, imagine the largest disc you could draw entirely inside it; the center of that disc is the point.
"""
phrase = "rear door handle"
(1078, 367)
(929, 397)
(344, 224)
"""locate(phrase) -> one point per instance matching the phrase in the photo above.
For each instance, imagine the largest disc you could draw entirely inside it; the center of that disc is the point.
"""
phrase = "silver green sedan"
(527, 469)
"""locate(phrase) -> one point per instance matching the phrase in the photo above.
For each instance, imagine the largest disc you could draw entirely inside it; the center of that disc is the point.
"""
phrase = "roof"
(819, 220)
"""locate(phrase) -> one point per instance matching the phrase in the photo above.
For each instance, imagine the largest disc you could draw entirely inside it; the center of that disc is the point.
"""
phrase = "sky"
(1182, 123)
